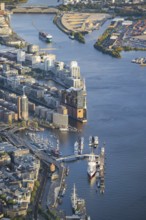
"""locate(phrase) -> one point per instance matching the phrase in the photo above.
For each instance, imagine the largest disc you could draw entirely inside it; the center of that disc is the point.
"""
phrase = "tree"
(23, 123)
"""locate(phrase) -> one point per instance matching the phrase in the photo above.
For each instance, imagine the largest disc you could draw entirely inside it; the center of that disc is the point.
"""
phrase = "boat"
(76, 148)
(81, 142)
(96, 140)
(67, 171)
(90, 140)
(71, 36)
(91, 169)
(78, 204)
(56, 151)
(45, 37)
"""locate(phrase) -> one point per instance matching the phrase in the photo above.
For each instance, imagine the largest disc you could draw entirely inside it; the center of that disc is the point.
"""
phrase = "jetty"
(74, 157)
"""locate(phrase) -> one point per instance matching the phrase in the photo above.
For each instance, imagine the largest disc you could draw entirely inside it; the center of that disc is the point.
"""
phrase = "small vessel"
(80, 144)
(56, 151)
(78, 204)
(90, 140)
(76, 148)
(71, 36)
(45, 37)
(96, 140)
(91, 169)
(67, 171)
(63, 191)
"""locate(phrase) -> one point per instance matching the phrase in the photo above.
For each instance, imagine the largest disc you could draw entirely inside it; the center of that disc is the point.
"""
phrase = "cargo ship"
(45, 37)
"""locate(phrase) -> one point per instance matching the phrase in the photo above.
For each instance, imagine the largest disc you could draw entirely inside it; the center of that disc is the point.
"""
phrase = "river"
(116, 91)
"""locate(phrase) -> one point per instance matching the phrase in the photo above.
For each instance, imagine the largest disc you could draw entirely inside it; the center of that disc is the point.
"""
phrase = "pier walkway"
(75, 157)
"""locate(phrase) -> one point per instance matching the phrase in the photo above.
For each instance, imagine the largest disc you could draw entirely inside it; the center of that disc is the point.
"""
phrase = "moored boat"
(78, 204)
(90, 140)
(91, 169)
(76, 148)
(96, 140)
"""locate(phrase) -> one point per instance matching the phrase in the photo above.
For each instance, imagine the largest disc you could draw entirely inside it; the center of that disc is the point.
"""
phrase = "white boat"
(76, 148)
(78, 204)
(102, 151)
(90, 140)
(81, 143)
(74, 199)
(96, 140)
(91, 169)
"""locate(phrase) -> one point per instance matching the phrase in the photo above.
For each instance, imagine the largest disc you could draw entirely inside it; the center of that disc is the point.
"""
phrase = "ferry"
(45, 37)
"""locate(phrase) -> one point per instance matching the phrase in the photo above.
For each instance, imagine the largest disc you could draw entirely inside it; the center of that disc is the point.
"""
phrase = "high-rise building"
(75, 70)
(19, 107)
(2, 6)
(22, 106)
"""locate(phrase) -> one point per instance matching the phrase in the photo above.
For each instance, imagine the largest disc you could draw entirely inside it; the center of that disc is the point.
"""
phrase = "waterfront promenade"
(51, 195)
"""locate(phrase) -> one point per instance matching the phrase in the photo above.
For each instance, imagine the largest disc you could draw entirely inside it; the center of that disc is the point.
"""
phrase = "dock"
(74, 157)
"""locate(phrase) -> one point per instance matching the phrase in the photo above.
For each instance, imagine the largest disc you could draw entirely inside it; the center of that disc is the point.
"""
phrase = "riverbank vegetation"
(80, 7)
(79, 37)
(103, 45)
(14, 1)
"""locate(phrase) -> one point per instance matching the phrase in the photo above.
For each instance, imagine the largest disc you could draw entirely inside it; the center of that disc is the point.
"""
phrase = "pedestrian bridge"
(75, 157)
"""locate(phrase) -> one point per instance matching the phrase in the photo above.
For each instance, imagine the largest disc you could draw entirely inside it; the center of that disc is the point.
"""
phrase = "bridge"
(38, 9)
(75, 157)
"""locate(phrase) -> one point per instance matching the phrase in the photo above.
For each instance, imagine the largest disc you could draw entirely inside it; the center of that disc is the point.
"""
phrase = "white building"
(20, 56)
(74, 70)
(60, 120)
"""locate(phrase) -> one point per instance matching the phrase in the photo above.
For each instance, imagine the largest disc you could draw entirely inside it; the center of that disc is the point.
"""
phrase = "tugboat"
(45, 37)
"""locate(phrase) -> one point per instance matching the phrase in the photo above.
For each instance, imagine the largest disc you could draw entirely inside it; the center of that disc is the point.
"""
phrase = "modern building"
(75, 101)
(22, 106)
(60, 121)
(75, 70)
(2, 6)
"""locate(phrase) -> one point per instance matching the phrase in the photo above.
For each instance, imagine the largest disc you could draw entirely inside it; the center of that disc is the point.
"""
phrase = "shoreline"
(58, 21)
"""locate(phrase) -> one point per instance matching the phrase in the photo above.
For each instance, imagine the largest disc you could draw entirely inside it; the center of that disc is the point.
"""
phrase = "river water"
(116, 91)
